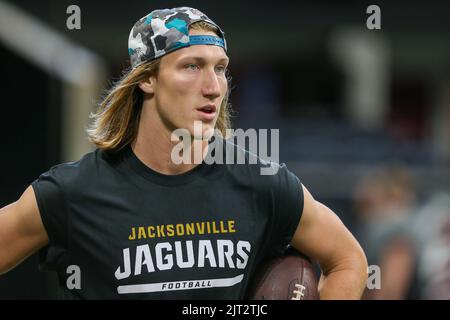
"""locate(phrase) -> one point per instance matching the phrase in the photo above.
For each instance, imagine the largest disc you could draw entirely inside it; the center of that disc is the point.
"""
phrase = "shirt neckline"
(201, 170)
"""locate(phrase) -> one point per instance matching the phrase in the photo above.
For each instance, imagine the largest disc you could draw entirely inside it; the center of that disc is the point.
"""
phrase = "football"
(289, 277)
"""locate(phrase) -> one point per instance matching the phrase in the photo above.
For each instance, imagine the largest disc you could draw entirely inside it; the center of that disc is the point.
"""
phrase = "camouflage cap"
(165, 30)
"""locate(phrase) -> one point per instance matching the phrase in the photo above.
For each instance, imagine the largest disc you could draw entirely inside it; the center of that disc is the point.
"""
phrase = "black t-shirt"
(119, 230)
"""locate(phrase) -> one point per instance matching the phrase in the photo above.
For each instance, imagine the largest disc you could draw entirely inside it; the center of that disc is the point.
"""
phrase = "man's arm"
(21, 231)
(323, 237)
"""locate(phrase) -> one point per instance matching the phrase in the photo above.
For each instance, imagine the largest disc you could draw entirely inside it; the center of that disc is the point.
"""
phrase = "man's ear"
(148, 86)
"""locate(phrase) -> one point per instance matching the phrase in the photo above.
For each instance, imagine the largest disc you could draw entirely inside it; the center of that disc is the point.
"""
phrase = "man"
(127, 221)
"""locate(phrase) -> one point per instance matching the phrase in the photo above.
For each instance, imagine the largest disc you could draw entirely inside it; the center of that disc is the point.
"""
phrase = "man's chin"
(205, 135)
(202, 131)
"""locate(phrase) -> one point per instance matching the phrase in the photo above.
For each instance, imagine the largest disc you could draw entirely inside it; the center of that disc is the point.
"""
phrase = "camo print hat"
(165, 30)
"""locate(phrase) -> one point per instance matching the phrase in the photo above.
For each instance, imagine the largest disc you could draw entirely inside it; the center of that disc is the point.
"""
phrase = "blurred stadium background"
(364, 115)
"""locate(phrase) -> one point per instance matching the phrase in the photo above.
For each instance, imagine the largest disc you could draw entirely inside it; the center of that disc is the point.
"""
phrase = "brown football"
(289, 277)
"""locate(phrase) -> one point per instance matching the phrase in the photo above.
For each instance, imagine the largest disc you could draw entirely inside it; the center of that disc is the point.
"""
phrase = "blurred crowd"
(405, 233)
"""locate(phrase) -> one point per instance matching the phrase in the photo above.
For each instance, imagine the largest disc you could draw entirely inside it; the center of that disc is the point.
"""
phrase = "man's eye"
(191, 66)
(221, 69)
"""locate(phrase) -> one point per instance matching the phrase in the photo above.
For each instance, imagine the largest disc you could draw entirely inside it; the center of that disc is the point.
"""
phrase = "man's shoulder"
(245, 164)
(87, 168)
(85, 161)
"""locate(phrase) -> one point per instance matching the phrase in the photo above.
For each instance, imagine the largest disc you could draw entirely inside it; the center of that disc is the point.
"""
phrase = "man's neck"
(153, 146)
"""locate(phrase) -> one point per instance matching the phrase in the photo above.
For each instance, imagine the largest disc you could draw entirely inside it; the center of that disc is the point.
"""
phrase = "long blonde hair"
(116, 121)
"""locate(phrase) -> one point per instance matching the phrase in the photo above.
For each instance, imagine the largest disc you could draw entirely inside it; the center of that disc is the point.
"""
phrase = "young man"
(127, 221)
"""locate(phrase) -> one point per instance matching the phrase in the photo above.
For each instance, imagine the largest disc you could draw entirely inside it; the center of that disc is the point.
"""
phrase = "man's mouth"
(207, 112)
(208, 108)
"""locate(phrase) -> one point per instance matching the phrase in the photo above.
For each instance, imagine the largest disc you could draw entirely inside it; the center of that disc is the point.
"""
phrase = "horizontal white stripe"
(180, 285)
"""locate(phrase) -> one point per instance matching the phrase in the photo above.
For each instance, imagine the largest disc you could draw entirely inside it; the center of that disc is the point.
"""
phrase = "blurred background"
(364, 115)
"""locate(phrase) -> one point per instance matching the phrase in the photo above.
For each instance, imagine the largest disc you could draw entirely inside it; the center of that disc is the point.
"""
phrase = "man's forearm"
(343, 283)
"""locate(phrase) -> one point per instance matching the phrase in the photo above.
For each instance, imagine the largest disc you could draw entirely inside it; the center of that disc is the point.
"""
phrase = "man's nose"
(211, 85)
